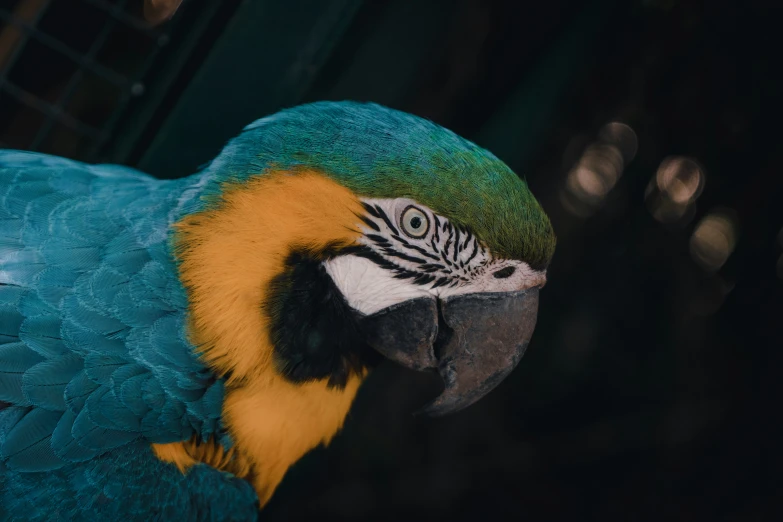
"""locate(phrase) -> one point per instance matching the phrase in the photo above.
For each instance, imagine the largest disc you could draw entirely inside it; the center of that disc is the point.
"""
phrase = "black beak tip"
(452, 401)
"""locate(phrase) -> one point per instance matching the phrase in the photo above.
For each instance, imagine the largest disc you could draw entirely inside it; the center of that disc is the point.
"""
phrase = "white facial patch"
(368, 287)
(407, 251)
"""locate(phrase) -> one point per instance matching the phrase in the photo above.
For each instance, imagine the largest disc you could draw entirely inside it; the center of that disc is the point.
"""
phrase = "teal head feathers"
(378, 152)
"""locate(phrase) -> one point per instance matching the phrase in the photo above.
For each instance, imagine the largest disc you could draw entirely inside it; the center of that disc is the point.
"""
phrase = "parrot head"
(366, 231)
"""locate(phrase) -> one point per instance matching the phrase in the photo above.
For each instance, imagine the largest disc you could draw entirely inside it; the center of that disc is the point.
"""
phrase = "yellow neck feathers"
(228, 256)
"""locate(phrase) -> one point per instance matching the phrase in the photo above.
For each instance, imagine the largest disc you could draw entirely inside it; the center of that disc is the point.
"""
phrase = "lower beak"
(473, 340)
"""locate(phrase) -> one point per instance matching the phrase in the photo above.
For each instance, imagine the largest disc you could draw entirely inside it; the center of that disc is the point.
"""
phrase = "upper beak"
(474, 340)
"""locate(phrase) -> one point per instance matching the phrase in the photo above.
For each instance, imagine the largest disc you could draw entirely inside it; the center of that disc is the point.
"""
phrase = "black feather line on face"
(370, 223)
(371, 210)
(433, 266)
(441, 281)
(394, 253)
(423, 279)
(436, 266)
(447, 245)
(416, 248)
(378, 240)
(368, 253)
(475, 251)
(389, 224)
(371, 255)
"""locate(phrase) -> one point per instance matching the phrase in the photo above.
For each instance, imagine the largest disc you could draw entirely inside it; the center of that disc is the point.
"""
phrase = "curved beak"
(473, 340)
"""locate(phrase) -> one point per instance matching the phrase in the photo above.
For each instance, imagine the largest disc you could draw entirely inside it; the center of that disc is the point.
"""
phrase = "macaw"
(169, 348)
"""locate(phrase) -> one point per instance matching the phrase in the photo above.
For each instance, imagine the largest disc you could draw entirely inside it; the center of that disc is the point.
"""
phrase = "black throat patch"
(314, 332)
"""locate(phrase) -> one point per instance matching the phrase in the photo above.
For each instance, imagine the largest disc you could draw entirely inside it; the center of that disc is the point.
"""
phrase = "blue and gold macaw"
(169, 348)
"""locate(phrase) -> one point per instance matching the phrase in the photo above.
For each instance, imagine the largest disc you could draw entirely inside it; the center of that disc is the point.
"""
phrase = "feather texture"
(128, 483)
(28, 443)
(94, 359)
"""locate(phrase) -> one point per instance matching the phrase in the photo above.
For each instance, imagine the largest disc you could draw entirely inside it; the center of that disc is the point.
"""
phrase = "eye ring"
(414, 222)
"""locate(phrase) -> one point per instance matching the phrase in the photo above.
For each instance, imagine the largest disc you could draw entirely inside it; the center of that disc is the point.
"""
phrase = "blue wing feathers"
(70, 253)
(120, 416)
(100, 367)
(41, 333)
(21, 193)
(31, 305)
(15, 360)
(75, 335)
(55, 283)
(94, 358)
(83, 316)
(92, 436)
(105, 283)
(44, 384)
(36, 425)
(152, 394)
(78, 390)
(107, 412)
(28, 444)
(10, 320)
(123, 374)
(131, 394)
(135, 312)
(65, 445)
(39, 211)
(20, 267)
(92, 314)
(9, 245)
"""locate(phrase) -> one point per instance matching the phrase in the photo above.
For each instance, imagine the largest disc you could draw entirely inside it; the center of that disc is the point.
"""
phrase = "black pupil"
(415, 222)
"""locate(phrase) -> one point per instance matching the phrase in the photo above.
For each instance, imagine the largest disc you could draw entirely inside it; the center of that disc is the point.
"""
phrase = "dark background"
(650, 390)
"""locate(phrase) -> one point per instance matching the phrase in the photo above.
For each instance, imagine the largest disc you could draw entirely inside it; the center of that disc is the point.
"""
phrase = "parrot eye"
(414, 222)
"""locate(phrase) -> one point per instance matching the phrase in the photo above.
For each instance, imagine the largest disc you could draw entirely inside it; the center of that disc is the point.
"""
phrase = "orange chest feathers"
(229, 255)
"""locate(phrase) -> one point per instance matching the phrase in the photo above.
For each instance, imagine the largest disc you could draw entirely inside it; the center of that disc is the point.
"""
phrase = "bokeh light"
(599, 169)
(713, 239)
(681, 179)
(674, 189)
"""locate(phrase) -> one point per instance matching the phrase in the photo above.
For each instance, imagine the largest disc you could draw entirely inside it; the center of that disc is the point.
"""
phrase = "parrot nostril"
(505, 272)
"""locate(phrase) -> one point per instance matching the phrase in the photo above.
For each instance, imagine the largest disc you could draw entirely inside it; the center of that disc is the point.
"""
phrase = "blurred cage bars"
(47, 69)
